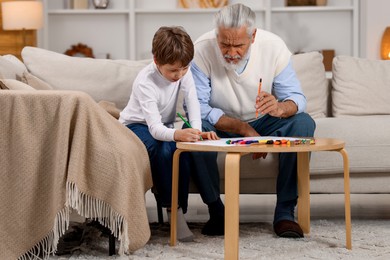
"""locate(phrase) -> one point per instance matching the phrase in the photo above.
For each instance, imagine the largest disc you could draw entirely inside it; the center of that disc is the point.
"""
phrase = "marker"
(258, 93)
(187, 123)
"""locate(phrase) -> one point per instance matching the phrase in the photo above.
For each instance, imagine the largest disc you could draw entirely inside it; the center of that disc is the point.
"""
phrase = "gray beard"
(232, 66)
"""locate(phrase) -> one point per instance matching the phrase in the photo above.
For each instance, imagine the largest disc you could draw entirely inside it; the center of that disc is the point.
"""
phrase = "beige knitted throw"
(61, 151)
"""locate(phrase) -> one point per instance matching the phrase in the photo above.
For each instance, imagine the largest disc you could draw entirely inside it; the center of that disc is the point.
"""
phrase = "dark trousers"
(300, 125)
(161, 159)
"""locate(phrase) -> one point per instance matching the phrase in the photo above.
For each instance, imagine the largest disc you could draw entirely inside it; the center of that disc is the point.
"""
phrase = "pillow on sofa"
(311, 73)
(13, 84)
(102, 79)
(35, 82)
(11, 67)
(360, 87)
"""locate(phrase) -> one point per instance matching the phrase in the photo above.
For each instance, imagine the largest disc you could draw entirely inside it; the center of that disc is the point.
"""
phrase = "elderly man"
(229, 62)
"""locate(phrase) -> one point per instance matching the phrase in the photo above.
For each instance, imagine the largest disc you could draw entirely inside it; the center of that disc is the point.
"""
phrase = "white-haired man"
(228, 64)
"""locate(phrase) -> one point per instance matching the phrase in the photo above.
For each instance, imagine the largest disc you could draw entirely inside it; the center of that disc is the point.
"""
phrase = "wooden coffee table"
(232, 180)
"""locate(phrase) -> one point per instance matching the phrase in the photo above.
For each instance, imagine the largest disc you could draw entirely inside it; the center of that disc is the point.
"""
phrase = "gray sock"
(184, 234)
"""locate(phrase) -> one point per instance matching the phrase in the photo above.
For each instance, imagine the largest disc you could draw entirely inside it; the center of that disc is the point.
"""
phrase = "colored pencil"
(258, 93)
(186, 122)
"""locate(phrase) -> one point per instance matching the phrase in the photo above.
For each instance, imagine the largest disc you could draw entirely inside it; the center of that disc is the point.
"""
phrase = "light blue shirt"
(286, 86)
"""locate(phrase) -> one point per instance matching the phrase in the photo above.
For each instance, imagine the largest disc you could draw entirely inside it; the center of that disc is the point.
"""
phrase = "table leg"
(232, 206)
(303, 191)
(347, 201)
(175, 188)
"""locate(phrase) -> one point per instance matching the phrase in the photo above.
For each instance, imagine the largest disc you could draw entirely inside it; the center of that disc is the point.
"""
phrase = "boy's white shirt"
(153, 102)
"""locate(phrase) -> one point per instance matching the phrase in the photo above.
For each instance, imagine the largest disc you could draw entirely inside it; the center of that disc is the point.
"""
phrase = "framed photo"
(80, 4)
(305, 2)
(202, 3)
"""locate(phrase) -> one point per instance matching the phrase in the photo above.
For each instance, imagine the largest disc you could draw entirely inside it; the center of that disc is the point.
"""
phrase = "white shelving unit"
(334, 26)
(149, 15)
(106, 31)
(126, 28)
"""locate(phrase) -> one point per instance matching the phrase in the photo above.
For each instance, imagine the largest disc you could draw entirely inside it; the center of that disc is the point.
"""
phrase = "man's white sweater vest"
(236, 94)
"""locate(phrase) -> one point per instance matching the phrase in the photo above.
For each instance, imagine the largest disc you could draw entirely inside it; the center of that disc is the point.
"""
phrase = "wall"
(375, 16)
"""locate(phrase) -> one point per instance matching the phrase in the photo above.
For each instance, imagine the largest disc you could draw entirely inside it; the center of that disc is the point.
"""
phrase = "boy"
(151, 112)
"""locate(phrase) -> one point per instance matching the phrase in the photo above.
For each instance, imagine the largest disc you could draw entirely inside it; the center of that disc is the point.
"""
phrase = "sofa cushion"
(13, 84)
(11, 67)
(102, 79)
(311, 73)
(35, 82)
(367, 146)
(361, 87)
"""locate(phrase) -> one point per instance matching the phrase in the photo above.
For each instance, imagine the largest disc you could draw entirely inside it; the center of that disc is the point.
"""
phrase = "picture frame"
(202, 3)
(306, 2)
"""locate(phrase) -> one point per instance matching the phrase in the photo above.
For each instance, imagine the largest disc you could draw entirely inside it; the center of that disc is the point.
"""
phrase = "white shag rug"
(370, 240)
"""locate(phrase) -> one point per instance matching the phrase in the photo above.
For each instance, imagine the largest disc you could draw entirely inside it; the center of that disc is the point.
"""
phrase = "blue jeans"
(299, 125)
(204, 173)
(161, 158)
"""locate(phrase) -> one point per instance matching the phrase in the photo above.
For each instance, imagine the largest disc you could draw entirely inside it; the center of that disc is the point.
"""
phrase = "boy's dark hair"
(172, 44)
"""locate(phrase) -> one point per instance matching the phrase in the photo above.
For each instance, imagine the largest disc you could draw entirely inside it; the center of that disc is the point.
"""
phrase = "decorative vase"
(100, 4)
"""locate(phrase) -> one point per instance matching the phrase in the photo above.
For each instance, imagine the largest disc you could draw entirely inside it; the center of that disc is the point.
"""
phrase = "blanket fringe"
(48, 245)
(88, 207)
(96, 209)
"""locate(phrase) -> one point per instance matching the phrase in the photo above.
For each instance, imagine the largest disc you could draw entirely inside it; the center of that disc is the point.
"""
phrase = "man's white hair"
(235, 16)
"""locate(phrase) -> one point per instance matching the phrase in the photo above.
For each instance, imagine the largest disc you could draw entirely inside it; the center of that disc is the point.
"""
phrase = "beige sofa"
(353, 106)
(63, 153)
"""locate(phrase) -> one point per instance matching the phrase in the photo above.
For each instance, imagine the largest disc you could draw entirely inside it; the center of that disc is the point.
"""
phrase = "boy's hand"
(209, 135)
(187, 135)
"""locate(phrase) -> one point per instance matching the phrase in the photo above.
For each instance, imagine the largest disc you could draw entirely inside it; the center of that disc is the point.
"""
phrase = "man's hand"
(210, 135)
(235, 126)
(232, 125)
(267, 104)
